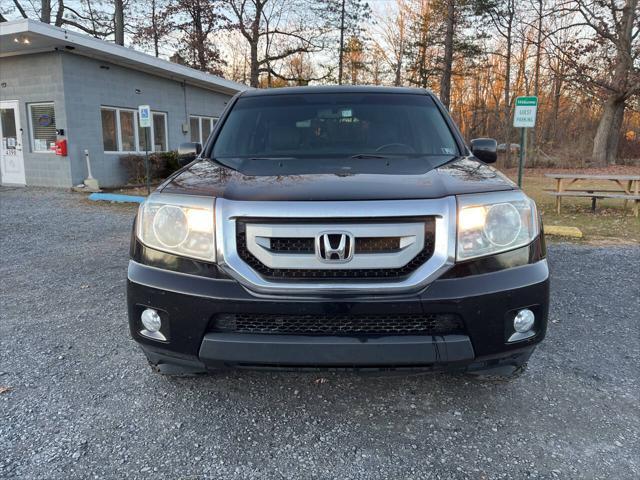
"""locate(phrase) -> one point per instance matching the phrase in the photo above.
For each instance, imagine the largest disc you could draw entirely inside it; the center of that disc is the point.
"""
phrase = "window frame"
(31, 129)
(136, 131)
(153, 130)
(213, 120)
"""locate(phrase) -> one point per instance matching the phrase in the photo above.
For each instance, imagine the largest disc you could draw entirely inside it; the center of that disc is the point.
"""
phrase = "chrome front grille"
(300, 251)
(306, 245)
(317, 248)
(288, 244)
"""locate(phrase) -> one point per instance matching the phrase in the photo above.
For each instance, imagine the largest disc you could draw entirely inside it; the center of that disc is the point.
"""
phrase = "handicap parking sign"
(144, 116)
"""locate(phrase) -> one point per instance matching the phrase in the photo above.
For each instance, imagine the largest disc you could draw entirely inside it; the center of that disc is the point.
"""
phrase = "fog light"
(151, 320)
(523, 321)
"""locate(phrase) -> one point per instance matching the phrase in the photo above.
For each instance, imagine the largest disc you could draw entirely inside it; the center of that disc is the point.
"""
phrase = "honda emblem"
(335, 247)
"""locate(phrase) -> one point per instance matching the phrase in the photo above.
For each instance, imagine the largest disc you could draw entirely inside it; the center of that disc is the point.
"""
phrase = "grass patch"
(610, 222)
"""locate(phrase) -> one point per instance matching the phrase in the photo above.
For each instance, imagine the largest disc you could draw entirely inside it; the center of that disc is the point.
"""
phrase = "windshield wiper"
(368, 155)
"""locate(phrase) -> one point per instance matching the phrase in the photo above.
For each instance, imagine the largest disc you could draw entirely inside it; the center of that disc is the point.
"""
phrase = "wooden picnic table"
(628, 188)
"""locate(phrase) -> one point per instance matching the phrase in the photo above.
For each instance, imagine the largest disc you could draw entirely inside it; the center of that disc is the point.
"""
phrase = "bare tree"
(87, 16)
(152, 25)
(616, 26)
(422, 50)
(45, 11)
(354, 62)
(196, 21)
(502, 14)
(347, 18)
(389, 35)
(445, 80)
(274, 30)
(118, 21)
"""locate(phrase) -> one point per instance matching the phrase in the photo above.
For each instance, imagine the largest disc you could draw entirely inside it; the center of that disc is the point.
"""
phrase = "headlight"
(178, 224)
(494, 222)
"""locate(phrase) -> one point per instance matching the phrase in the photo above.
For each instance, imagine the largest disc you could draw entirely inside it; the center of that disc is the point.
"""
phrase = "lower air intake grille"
(336, 325)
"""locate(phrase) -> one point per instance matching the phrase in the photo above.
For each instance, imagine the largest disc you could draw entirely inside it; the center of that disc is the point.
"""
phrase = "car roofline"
(334, 89)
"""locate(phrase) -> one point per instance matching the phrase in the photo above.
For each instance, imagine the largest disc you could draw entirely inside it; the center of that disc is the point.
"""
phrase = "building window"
(201, 127)
(121, 131)
(159, 132)
(127, 131)
(109, 130)
(194, 127)
(42, 119)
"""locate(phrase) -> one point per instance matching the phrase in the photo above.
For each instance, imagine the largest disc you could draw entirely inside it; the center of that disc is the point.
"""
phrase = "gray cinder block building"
(59, 86)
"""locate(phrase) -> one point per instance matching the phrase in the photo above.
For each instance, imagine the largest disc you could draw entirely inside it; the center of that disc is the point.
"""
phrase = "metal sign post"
(144, 118)
(523, 118)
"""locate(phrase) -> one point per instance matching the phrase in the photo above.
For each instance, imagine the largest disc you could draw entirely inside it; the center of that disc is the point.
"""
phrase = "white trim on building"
(24, 36)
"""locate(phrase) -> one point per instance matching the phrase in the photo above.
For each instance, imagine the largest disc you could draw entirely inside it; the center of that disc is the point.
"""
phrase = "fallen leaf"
(4, 389)
(321, 380)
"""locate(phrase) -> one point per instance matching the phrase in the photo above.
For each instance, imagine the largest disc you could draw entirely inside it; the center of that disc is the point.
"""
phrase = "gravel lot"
(84, 404)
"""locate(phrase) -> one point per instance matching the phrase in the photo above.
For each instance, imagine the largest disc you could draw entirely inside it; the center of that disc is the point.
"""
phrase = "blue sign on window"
(44, 120)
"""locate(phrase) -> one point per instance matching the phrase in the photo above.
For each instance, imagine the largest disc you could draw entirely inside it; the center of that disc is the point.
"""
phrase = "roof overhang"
(23, 37)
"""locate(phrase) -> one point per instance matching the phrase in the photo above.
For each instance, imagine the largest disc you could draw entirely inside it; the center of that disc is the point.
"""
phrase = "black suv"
(338, 227)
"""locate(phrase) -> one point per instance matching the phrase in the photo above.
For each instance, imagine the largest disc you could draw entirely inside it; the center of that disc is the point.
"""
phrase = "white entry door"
(11, 157)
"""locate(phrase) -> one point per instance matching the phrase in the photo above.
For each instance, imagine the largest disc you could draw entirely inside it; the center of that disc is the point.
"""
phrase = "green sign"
(525, 114)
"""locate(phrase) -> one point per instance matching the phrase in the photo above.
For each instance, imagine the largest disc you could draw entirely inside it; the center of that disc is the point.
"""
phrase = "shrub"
(161, 165)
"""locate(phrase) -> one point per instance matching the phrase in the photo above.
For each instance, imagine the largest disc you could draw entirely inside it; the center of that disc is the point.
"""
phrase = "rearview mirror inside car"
(485, 149)
(187, 152)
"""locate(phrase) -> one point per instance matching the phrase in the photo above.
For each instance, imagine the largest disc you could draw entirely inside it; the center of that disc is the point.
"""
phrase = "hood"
(363, 179)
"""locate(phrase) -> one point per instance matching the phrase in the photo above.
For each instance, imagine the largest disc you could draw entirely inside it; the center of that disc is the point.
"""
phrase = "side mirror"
(485, 149)
(187, 152)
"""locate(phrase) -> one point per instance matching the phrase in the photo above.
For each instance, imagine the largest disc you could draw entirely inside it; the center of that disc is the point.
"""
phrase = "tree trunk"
(341, 53)
(254, 75)
(605, 143)
(445, 81)
(119, 22)
(60, 13)
(614, 135)
(552, 125)
(45, 11)
(401, 45)
(201, 37)
(507, 93)
(154, 26)
(533, 140)
(20, 9)
(608, 129)
(398, 80)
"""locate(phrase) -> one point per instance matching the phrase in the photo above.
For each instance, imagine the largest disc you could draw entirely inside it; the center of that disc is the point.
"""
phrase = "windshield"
(334, 125)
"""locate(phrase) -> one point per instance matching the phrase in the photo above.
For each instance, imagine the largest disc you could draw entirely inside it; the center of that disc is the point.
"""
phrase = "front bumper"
(486, 303)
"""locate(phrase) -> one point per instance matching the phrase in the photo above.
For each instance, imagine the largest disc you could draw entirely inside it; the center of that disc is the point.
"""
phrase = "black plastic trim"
(532, 253)
(334, 351)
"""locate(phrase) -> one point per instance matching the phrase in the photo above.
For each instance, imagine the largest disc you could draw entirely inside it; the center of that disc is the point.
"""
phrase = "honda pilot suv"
(338, 227)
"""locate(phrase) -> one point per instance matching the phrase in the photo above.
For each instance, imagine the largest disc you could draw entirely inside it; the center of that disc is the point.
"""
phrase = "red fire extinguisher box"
(61, 147)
